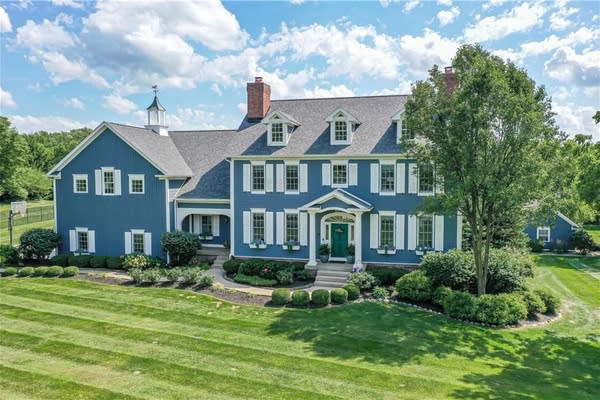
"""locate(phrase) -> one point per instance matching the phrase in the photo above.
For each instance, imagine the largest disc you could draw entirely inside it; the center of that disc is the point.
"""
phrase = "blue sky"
(66, 63)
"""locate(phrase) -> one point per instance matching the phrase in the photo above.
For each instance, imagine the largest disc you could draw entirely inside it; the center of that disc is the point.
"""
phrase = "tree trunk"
(479, 258)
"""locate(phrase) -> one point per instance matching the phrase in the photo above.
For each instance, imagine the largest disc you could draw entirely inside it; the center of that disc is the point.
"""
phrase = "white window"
(291, 228)
(83, 242)
(387, 179)
(136, 184)
(339, 174)
(206, 228)
(543, 233)
(426, 179)
(80, 183)
(292, 181)
(425, 231)
(277, 133)
(341, 131)
(258, 227)
(137, 242)
(258, 178)
(386, 231)
(108, 181)
(341, 127)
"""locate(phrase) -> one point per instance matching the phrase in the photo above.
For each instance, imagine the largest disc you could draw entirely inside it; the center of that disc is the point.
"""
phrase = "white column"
(312, 238)
(358, 239)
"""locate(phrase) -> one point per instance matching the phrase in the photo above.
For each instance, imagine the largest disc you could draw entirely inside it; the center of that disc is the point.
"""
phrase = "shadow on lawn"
(529, 363)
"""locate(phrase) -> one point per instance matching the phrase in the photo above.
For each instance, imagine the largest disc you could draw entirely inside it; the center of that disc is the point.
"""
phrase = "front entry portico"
(339, 240)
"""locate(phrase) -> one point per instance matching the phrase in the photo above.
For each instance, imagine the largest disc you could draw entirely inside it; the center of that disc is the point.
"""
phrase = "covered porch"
(212, 225)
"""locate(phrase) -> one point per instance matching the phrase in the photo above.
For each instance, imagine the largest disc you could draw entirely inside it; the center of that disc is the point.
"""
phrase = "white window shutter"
(72, 240)
(459, 229)
(127, 242)
(195, 228)
(326, 174)
(92, 241)
(247, 227)
(269, 178)
(280, 227)
(412, 232)
(413, 178)
(374, 231)
(400, 178)
(216, 231)
(400, 231)
(269, 227)
(353, 174)
(98, 181)
(279, 178)
(439, 184)
(303, 178)
(374, 178)
(303, 229)
(246, 177)
(148, 243)
(117, 182)
(438, 232)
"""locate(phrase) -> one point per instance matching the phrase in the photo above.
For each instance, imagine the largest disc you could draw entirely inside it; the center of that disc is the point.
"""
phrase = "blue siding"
(111, 216)
(275, 201)
(559, 230)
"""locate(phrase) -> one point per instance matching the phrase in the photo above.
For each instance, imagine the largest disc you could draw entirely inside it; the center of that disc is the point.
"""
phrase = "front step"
(332, 275)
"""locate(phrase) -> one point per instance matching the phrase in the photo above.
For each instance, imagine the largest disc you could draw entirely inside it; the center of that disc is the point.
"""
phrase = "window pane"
(291, 227)
(340, 174)
(425, 231)
(386, 233)
(406, 132)
(258, 177)
(258, 227)
(277, 132)
(138, 242)
(544, 234)
(82, 241)
(426, 178)
(109, 182)
(206, 228)
(137, 186)
(341, 131)
(388, 178)
(81, 185)
(291, 177)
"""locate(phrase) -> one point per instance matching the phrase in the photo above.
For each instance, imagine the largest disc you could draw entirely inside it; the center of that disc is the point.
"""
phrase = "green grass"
(20, 229)
(72, 339)
(594, 230)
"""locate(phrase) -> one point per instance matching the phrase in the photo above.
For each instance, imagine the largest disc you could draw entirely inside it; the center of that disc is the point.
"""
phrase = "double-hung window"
(258, 178)
(387, 178)
(543, 233)
(425, 231)
(277, 132)
(80, 183)
(136, 184)
(386, 231)
(206, 225)
(426, 178)
(258, 227)
(291, 228)
(83, 241)
(406, 132)
(341, 131)
(291, 177)
(108, 181)
(339, 174)
(137, 243)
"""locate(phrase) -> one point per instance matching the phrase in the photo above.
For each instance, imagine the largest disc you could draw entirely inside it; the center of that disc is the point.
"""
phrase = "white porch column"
(312, 238)
(358, 239)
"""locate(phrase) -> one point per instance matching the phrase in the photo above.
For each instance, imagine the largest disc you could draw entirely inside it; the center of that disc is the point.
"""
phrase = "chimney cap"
(449, 69)
(258, 79)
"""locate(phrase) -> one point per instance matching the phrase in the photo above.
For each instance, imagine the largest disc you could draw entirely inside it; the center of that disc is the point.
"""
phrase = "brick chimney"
(451, 80)
(259, 99)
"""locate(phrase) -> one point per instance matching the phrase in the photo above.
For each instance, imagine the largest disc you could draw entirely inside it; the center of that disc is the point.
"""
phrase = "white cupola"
(156, 115)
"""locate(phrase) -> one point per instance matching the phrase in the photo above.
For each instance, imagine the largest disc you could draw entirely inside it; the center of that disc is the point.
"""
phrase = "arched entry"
(337, 230)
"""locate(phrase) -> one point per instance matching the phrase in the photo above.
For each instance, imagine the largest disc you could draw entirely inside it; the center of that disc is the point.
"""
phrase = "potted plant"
(350, 254)
(421, 250)
(291, 245)
(258, 244)
(324, 252)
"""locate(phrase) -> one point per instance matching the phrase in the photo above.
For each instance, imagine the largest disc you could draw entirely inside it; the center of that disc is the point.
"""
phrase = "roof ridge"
(344, 97)
(206, 130)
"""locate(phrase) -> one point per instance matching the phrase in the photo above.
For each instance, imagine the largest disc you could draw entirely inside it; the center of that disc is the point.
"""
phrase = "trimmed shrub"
(70, 271)
(534, 303)
(152, 275)
(252, 267)
(54, 271)
(137, 261)
(254, 280)
(303, 275)
(500, 309)
(363, 280)
(80, 261)
(454, 269)
(232, 266)
(339, 296)
(114, 262)
(25, 271)
(460, 305)
(439, 295)
(387, 276)
(172, 274)
(353, 291)
(280, 297)
(508, 271)
(9, 255)
(137, 275)
(205, 281)
(298, 266)
(582, 241)
(551, 301)
(320, 297)
(536, 245)
(9, 271)
(98, 262)
(62, 260)
(190, 275)
(414, 286)
(300, 298)
(380, 292)
(38, 243)
(40, 271)
(181, 246)
(285, 277)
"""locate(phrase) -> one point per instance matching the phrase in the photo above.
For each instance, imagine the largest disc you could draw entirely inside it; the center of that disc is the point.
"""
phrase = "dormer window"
(402, 129)
(279, 128)
(342, 126)
(277, 132)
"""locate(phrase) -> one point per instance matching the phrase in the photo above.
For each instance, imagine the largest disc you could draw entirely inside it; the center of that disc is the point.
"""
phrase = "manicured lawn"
(71, 339)
(20, 229)
(594, 230)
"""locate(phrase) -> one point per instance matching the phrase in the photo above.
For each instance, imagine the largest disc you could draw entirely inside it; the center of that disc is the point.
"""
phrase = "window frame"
(254, 166)
(425, 192)
(541, 228)
(287, 228)
(208, 218)
(272, 140)
(260, 243)
(338, 163)
(335, 126)
(80, 177)
(296, 166)
(392, 165)
(80, 232)
(104, 171)
(137, 177)
(418, 233)
(138, 233)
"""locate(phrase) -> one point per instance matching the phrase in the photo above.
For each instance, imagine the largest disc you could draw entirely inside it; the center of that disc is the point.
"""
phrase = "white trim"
(347, 116)
(55, 207)
(137, 177)
(537, 233)
(258, 210)
(291, 163)
(102, 188)
(182, 213)
(338, 194)
(328, 157)
(459, 230)
(77, 177)
(566, 219)
(344, 163)
(206, 201)
(264, 166)
(395, 188)
(231, 220)
(386, 214)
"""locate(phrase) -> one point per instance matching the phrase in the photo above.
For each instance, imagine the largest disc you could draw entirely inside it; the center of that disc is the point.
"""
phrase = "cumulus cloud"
(75, 103)
(5, 25)
(420, 52)
(6, 99)
(333, 91)
(448, 16)
(119, 104)
(62, 69)
(493, 3)
(566, 65)
(521, 18)
(67, 3)
(559, 20)
(196, 118)
(50, 123)
(410, 5)
(444, 2)
(49, 35)
(575, 118)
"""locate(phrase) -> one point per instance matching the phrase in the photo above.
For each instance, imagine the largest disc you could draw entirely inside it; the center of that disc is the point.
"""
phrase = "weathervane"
(155, 88)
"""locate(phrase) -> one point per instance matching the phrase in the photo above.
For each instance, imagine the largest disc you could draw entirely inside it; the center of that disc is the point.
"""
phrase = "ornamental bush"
(10, 271)
(536, 245)
(303, 276)
(254, 280)
(232, 266)
(40, 271)
(190, 275)
(152, 275)
(252, 267)
(172, 274)
(285, 277)
(137, 275)
(414, 286)
(98, 262)
(439, 295)
(54, 271)
(508, 271)
(533, 302)
(280, 297)
(460, 305)
(380, 293)
(114, 262)
(25, 271)
(339, 296)
(454, 269)
(136, 261)
(363, 280)
(298, 266)
(62, 260)
(387, 276)
(500, 309)
(582, 241)
(320, 297)
(300, 298)
(205, 281)
(181, 246)
(551, 301)
(353, 291)
(80, 261)
(9, 255)
(38, 243)
(70, 271)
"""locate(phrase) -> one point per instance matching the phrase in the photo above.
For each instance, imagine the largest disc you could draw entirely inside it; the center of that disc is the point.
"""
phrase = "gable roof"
(567, 219)
(341, 195)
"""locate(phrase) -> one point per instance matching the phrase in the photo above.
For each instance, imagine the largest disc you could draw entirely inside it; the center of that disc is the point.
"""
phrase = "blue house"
(295, 174)
(554, 233)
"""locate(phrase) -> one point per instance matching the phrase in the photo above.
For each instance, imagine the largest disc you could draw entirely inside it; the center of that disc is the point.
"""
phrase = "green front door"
(339, 240)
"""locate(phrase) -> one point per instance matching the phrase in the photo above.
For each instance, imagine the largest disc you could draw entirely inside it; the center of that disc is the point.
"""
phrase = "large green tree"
(12, 155)
(489, 139)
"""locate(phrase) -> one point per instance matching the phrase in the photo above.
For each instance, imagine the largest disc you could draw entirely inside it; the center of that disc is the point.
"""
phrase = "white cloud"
(49, 123)
(521, 18)
(196, 118)
(6, 99)
(410, 5)
(403, 87)
(119, 104)
(421, 52)
(67, 3)
(48, 35)
(444, 2)
(493, 3)
(448, 16)
(575, 118)
(5, 25)
(333, 91)
(559, 20)
(75, 103)
(62, 70)
(566, 65)
(297, 1)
